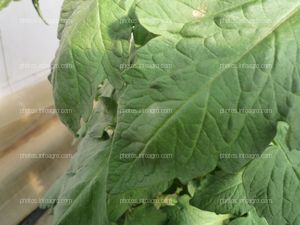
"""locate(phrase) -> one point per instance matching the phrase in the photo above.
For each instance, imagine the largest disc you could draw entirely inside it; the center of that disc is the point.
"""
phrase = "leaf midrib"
(209, 83)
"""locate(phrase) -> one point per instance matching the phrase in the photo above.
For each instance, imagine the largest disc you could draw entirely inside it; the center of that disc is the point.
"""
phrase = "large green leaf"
(222, 193)
(94, 42)
(250, 219)
(85, 182)
(274, 184)
(270, 183)
(84, 185)
(199, 85)
(185, 214)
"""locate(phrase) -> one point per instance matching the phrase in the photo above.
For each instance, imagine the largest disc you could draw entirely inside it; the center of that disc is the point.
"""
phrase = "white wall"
(27, 45)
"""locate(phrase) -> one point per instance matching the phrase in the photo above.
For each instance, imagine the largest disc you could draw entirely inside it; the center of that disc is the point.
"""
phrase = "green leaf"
(146, 215)
(184, 214)
(68, 11)
(280, 139)
(270, 183)
(53, 193)
(192, 187)
(85, 181)
(251, 219)
(274, 185)
(107, 90)
(4, 3)
(104, 117)
(93, 45)
(199, 87)
(36, 5)
(161, 17)
(222, 193)
(141, 35)
(119, 203)
(84, 185)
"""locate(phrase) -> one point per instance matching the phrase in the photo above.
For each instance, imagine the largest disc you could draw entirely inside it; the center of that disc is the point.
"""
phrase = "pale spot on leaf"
(199, 13)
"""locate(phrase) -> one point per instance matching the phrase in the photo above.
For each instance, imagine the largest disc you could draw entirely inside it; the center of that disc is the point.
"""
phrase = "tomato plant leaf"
(274, 184)
(93, 45)
(270, 183)
(185, 214)
(226, 77)
(146, 215)
(251, 219)
(222, 193)
(82, 198)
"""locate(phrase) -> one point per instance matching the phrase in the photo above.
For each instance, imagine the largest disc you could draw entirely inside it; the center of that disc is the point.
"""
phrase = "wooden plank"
(17, 114)
(24, 174)
(29, 137)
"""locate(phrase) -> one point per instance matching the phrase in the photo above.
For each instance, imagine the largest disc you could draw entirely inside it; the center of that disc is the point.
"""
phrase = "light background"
(27, 45)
